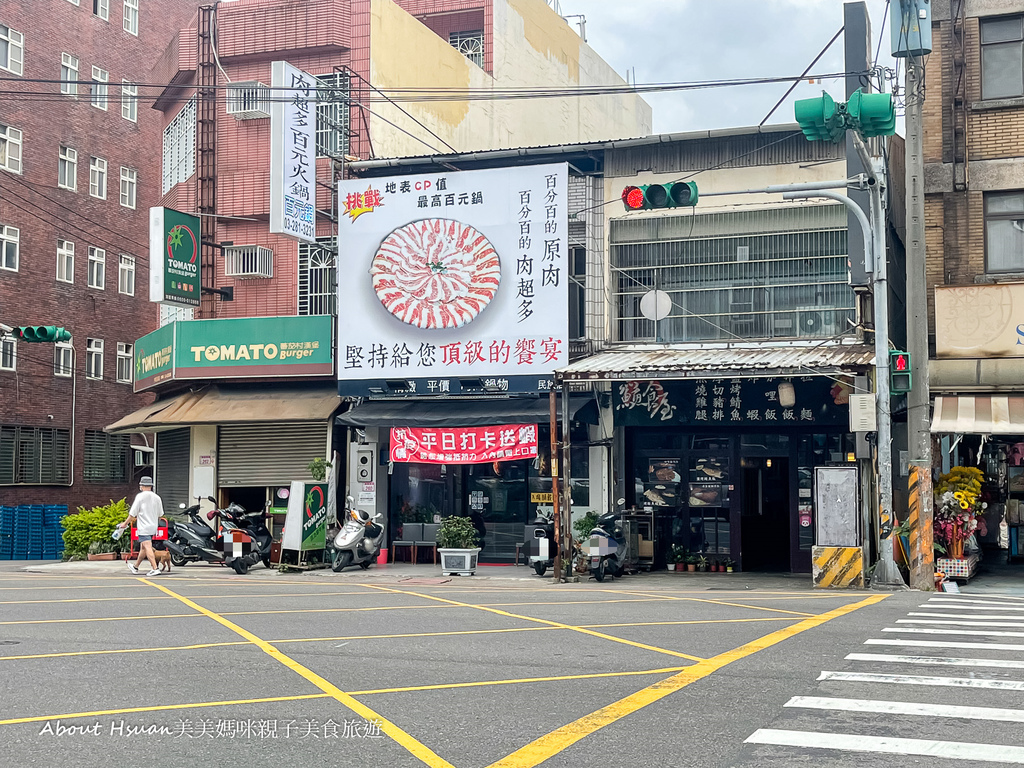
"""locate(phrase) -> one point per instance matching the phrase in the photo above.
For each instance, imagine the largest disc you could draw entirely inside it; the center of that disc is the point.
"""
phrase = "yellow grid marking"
(103, 618)
(734, 605)
(165, 597)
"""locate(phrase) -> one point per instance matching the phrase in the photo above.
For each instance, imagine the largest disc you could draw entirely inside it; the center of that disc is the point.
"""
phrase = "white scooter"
(358, 541)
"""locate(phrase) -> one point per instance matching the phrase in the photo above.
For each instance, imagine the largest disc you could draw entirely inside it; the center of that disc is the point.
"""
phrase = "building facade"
(77, 175)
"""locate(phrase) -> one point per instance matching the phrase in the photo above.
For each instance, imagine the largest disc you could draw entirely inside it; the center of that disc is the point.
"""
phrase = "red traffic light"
(633, 198)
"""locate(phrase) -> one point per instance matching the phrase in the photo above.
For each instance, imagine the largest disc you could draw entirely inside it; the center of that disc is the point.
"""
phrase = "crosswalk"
(947, 682)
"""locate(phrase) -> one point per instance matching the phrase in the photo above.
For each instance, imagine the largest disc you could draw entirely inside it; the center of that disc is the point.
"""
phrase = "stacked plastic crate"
(28, 531)
(32, 532)
(53, 531)
(6, 533)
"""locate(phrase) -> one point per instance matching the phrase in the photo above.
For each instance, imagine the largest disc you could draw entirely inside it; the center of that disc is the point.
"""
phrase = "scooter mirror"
(620, 502)
(350, 501)
(211, 514)
(212, 500)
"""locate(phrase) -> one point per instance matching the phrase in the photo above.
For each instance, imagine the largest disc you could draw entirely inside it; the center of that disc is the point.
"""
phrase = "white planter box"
(461, 562)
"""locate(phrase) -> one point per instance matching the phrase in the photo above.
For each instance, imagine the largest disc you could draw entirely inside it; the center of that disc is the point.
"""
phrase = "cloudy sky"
(695, 40)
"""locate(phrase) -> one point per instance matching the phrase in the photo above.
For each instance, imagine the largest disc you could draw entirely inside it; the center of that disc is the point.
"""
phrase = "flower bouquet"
(957, 505)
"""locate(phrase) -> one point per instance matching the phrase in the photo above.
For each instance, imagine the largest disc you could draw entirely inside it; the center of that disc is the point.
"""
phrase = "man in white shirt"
(147, 509)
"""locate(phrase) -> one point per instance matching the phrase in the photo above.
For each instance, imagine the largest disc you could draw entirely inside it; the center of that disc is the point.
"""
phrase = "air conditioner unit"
(143, 456)
(248, 100)
(248, 262)
(816, 322)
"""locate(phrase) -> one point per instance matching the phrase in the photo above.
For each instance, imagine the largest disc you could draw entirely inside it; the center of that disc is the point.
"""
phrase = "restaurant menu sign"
(454, 281)
(174, 258)
(292, 152)
(463, 445)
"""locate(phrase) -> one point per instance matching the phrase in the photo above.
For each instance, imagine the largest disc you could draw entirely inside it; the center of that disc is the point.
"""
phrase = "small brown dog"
(163, 557)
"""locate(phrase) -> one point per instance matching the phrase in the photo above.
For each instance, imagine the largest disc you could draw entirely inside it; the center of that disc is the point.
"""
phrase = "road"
(706, 670)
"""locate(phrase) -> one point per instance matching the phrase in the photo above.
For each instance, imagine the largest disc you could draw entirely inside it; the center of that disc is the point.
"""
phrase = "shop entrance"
(766, 514)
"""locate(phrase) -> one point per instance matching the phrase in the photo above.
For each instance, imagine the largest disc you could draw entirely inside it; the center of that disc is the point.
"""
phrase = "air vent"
(248, 261)
(248, 100)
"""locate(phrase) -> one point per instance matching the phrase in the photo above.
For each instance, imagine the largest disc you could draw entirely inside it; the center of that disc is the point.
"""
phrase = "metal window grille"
(106, 457)
(248, 100)
(179, 147)
(248, 261)
(332, 115)
(769, 274)
(34, 456)
(470, 44)
(125, 362)
(318, 277)
(169, 314)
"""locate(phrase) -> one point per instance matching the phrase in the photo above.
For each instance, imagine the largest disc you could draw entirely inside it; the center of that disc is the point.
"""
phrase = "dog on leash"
(163, 557)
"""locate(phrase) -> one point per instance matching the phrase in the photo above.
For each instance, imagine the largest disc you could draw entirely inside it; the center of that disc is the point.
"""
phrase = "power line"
(797, 82)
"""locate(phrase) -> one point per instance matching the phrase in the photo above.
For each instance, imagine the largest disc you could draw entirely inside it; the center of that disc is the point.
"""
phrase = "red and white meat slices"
(435, 273)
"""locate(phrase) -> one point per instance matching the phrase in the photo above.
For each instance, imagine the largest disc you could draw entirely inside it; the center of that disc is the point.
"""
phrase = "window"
(332, 115)
(67, 169)
(577, 293)
(1004, 232)
(68, 74)
(8, 353)
(179, 148)
(125, 363)
(129, 186)
(33, 455)
(101, 8)
(99, 88)
(98, 177)
(97, 268)
(10, 149)
(318, 278)
(63, 357)
(1002, 57)
(129, 100)
(126, 275)
(65, 261)
(470, 45)
(10, 245)
(106, 457)
(12, 50)
(94, 358)
(131, 16)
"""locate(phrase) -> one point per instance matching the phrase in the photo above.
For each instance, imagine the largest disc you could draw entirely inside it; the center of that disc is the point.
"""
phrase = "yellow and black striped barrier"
(837, 567)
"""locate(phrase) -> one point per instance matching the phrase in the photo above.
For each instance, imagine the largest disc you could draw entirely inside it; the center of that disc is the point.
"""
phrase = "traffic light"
(680, 194)
(43, 333)
(899, 372)
(869, 114)
(820, 119)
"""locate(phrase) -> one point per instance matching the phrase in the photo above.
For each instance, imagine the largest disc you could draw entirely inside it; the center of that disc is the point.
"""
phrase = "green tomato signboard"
(314, 516)
(154, 358)
(174, 257)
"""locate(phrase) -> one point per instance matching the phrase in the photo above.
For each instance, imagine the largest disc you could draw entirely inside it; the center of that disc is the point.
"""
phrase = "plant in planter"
(729, 565)
(102, 550)
(457, 546)
(318, 468)
(702, 563)
(691, 563)
(96, 525)
(677, 557)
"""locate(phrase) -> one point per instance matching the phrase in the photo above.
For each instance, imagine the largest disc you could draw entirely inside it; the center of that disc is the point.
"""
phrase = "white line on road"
(970, 616)
(970, 753)
(982, 605)
(974, 598)
(951, 661)
(963, 623)
(908, 708)
(932, 631)
(946, 682)
(937, 644)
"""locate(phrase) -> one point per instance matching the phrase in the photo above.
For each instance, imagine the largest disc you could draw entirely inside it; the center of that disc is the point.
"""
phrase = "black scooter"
(195, 540)
(609, 548)
(253, 525)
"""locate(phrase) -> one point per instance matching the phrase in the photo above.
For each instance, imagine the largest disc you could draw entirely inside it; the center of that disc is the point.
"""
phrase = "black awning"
(463, 413)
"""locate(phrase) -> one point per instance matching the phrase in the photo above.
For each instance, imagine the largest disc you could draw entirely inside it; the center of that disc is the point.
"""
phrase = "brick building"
(76, 178)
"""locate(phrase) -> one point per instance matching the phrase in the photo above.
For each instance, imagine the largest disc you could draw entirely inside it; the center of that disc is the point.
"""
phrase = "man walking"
(147, 509)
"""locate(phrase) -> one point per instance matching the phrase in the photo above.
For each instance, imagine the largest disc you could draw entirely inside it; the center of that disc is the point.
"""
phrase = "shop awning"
(980, 415)
(721, 361)
(463, 413)
(216, 405)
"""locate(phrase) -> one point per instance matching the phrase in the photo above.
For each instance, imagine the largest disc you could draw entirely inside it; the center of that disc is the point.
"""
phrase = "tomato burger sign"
(453, 281)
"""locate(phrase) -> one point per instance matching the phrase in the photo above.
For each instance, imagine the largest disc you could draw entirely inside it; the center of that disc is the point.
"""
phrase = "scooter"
(190, 542)
(609, 550)
(542, 547)
(358, 541)
(253, 526)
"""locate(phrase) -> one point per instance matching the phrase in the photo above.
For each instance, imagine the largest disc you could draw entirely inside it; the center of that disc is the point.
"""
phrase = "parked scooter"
(543, 546)
(358, 541)
(254, 525)
(609, 551)
(195, 540)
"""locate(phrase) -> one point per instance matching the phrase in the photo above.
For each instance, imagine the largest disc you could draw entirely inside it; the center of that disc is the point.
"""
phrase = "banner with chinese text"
(463, 445)
(292, 152)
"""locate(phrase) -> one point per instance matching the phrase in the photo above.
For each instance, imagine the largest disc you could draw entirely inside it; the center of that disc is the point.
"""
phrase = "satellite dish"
(656, 305)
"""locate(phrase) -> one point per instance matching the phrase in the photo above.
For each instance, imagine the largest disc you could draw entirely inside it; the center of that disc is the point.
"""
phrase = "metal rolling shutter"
(172, 467)
(268, 454)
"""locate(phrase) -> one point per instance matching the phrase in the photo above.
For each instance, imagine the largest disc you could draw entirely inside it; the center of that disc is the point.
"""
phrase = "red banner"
(463, 445)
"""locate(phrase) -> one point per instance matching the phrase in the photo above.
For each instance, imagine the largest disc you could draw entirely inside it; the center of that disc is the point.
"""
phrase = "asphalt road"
(691, 670)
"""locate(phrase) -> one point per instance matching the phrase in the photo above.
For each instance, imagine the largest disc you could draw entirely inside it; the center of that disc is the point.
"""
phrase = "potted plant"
(457, 546)
(691, 563)
(729, 565)
(676, 558)
(102, 550)
(702, 563)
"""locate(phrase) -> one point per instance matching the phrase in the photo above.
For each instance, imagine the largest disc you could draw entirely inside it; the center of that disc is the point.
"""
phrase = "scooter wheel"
(266, 561)
(341, 561)
(540, 568)
(364, 564)
(599, 572)
(178, 561)
(240, 565)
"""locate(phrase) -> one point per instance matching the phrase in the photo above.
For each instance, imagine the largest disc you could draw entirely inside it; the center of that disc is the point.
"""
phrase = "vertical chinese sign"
(292, 152)
(455, 281)
(174, 249)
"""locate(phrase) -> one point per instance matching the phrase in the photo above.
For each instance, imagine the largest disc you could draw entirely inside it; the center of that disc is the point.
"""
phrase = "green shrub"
(585, 525)
(457, 533)
(94, 525)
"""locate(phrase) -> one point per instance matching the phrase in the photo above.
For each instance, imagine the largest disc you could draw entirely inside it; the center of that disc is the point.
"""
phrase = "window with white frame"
(10, 149)
(179, 147)
(8, 353)
(97, 268)
(67, 169)
(10, 244)
(129, 100)
(101, 8)
(12, 50)
(94, 358)
(68, 74)
(131, 16)
(129, 186)
(126, 275)
(63, 356)
(98, 177)
(65, 261)
(99, 87)
(125, 362)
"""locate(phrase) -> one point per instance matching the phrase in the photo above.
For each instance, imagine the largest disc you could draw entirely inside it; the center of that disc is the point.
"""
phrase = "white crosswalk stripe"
(908, 708)
(933, 631)
(986, 753)
(936, 660)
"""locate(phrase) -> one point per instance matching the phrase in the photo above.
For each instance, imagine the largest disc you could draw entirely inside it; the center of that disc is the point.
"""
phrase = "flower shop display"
(957, 506)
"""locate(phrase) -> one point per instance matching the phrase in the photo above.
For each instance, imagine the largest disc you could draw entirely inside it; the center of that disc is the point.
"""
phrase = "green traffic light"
(871, 114)
(820, 119)
(43, 333)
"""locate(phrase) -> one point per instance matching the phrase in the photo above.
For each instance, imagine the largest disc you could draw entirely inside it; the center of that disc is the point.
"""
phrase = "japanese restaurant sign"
(292, 152)
(454, 281)
(463, 445)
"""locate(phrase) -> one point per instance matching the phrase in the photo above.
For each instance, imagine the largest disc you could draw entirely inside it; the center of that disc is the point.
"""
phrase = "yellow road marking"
(78, 586)
(103, 618)
(197, 597)
(581, 630)
(734, 605)
(121, 650)
(547, 746)
(415, 747)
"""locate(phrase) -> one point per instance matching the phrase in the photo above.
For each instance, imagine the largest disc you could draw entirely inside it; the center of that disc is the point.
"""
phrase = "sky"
(697, 40)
